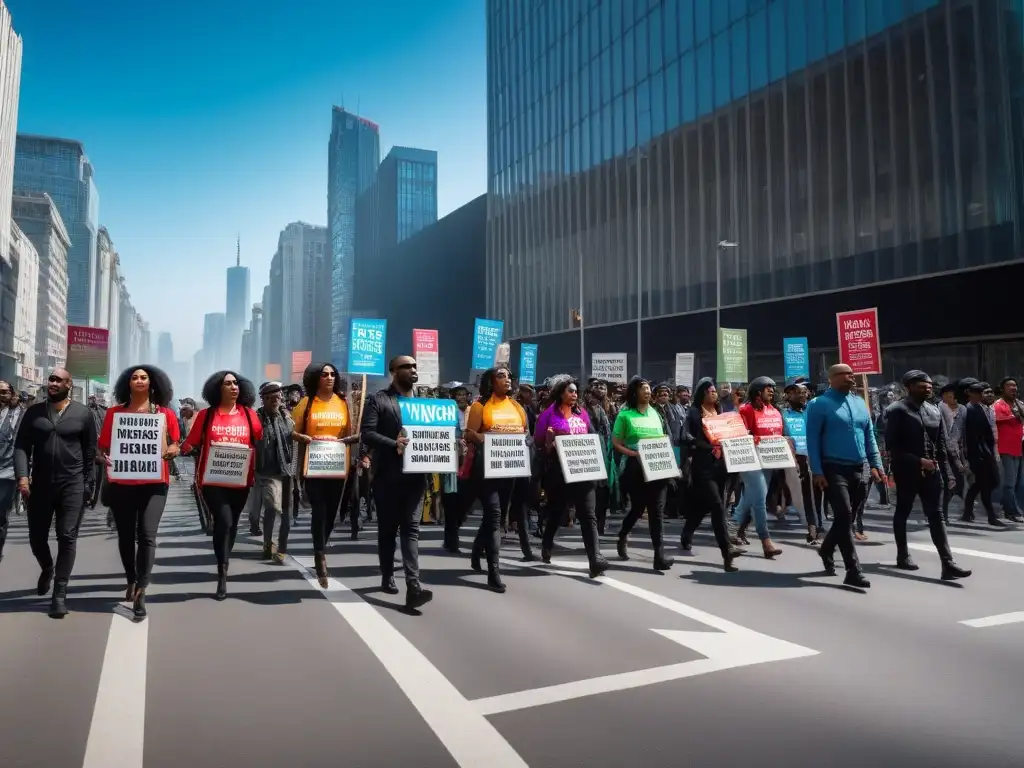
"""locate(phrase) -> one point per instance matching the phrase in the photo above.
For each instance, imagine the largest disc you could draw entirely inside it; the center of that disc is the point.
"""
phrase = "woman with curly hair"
(323, 414)
(138, 505)
(494, 411)
(566, 416)
(638, 420)
(229, 418)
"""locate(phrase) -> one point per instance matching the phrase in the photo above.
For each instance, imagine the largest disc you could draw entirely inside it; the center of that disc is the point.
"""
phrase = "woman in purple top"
(566, 416)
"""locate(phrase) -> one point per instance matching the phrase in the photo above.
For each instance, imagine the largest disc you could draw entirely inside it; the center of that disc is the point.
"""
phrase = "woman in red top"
(138, 503)
(232, 428)
(763, 420)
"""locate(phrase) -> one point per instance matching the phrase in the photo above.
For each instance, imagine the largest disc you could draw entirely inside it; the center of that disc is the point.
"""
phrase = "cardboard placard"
(326, 459)
(724, 426)
(430, 449)
(740, 454)
(775, 453)
(137, 447)
(581, 458)
(658, 459)
(505, 455)
(227, 465)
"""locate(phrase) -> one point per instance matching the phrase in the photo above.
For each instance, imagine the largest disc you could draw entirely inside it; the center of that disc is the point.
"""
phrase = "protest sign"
(326, 458)
(796, 427)
(740, 454)
(657, 459)
(527, 363)
(724, 427)
(609, 366)
(227, 465)
(581, 457)
(796, 357)
(505, 455)
(425, 350)
(684, 369)
(367, 342)
(486, 338)
(430, 426)
(732, 354)
(774, 453)
(859, 343)
(137, 447)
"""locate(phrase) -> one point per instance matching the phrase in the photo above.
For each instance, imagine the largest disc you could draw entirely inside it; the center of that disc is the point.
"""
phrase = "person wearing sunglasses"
(58, 438)
(323, 414)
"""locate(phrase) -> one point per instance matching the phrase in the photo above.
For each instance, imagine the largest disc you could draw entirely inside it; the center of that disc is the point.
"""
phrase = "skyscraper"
(298, 265)
(213, 342)
(237, 308)
(165, 351)
(60, 168)
(10, 88)
(353, 155)
(407, 194)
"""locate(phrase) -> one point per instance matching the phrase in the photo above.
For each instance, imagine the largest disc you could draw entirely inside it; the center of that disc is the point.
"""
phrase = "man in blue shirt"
(840, 438)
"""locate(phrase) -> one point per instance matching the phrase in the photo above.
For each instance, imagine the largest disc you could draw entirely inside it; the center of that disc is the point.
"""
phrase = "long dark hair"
(311, 379)
(161, 392)
(487, 381)
(559, 384)
(698, 396)
(211, 389)
(633, 390)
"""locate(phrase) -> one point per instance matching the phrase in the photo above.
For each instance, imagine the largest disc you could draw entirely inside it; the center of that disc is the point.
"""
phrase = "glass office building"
(353, 155)
(841, 148)
(407, 198)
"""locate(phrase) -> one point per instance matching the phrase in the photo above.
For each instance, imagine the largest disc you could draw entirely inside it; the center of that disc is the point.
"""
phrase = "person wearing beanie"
(916, 438)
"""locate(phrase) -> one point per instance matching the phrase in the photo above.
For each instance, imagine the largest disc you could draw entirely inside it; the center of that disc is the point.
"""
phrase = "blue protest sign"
(797, 357)
(796, 428)
(528, 364)
(367, 340)
(486, 338)
(428, 412)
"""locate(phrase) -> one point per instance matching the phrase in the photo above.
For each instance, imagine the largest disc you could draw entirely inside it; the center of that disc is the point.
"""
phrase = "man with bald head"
(840, 438)
(57, 438)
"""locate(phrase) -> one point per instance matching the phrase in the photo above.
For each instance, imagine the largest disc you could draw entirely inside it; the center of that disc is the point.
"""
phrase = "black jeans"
(562, 496)
(811, 511)
(64, 502)
(225, 505)
(846, 493)
(456, 510)
(8, 492)
(644, 497)
(399, 511)
(524, 494)
(986, 480)
(137, 511)
(325, 502)
(705, 498)
(494, 496)
(910, 485)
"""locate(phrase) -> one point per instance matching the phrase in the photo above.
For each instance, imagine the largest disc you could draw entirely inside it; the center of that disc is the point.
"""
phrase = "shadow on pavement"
(760, 579)
(884, 569)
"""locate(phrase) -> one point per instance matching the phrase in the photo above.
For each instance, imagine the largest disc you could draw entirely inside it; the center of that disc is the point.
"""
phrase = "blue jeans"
(1013, 484)
(754, 502)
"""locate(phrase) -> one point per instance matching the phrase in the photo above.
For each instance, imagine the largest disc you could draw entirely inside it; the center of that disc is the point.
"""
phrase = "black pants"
(602, 502)
(64, 502)
(846, 493)
(97, 477)
(562, 496)
(986, 480)
(948, 493)
(8, 493)
(325, 502)
(137, 511)
(811, 511)
(910, 485)
(706, 495)
(494, 496)
(226, 506)
(399, 511)
(524, 495)
(456, 510)
(644, 497)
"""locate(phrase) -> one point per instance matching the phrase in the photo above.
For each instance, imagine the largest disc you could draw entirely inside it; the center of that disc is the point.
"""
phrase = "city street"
(775, 665)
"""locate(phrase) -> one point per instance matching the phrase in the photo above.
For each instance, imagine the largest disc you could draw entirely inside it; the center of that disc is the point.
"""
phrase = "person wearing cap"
(795, 419)
(981, 452)
(762, 419)
(916, 438)
(840, 438)
(274, 471)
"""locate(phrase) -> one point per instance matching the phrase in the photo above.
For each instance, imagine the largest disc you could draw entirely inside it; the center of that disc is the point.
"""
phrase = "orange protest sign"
(725, 426)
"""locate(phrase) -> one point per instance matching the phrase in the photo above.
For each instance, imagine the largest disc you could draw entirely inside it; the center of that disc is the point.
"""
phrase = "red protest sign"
(859, 343)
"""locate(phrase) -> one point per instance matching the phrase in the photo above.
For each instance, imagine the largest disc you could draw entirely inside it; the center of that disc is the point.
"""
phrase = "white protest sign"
(684, 369)
(581, 457)
(657, 459)
(430, 449)
(505, 455)
(609, 366)
(327, 459)
(137, 447)
(774, 453)
(227, 465)
(740, 454)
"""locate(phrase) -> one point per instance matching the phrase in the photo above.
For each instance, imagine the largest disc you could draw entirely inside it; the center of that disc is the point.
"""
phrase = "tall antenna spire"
(238, 251)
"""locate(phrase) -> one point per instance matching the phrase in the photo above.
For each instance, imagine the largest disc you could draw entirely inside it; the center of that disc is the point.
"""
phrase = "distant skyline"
(206, 120)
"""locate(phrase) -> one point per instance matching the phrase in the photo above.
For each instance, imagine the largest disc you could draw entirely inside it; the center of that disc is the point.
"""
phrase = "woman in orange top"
(494, 411)
(323, 414)
(138, 505)
(228, 419)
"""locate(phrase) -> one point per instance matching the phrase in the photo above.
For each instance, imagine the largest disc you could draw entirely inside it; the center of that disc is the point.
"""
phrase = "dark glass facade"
(839, 143)
(408, 193)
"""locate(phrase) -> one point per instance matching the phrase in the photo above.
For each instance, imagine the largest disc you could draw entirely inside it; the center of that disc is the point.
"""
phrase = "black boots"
(58, 606)
(320, 565)
(474, 559)
(661, 561)
(45, 582)
(906, 563)
(222, 583)
(387, 585)
(139, 606)
(620, 548)
(416, 596)
(952, 571)
(494, 582)
(856, 579)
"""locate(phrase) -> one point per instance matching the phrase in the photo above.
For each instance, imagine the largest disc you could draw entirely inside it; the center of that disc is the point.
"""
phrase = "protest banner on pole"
(609, 366)
(796, 358)
(425, 349)
(684, 369)
(527, 363)
(486, 338)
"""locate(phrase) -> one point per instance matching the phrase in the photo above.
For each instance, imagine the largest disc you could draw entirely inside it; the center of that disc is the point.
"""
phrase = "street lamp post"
(723, 245)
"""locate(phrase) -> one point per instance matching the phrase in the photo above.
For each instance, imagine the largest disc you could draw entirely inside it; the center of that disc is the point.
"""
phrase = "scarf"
(274, 427)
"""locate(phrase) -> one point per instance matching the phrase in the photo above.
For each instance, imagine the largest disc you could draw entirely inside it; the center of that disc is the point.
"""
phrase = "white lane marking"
(971, 553)
(996, 621)
(118, 731)
(460, 727)
(732, 646)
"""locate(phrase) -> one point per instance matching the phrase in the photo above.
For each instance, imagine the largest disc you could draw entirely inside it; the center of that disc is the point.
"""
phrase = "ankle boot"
(416, 596)
(139, 605)
(474, 560)
(727, 558)
(58, 606)
(905, 562)
(620, 547)
(320, 563)
(388, 586)
(527, 551)
(770, 550)
(45, 582)
(952, 571)
(222, 583)
(661, 562)
(545, 554)
(856, 579)
(129, 594)
(494, 582)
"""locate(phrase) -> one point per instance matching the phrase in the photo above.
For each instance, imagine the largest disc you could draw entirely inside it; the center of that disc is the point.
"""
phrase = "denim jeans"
(754, 501)
(1013, 484)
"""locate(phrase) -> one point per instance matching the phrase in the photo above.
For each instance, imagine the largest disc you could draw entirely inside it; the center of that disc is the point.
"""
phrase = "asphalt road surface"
(774, 665)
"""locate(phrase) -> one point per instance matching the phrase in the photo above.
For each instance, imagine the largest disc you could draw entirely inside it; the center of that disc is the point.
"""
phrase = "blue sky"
(207, 118)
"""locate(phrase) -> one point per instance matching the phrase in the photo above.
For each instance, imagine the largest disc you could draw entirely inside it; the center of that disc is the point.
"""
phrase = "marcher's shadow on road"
(763, 579)
(890, 570)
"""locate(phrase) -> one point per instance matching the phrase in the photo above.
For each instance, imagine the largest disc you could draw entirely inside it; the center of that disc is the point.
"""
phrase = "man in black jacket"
(399, 496)
(916, 439)
(58, 437)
